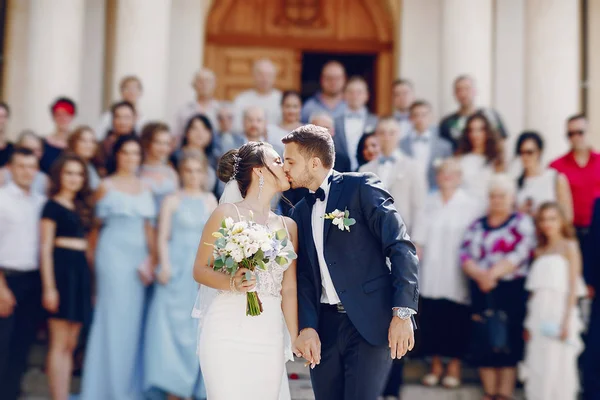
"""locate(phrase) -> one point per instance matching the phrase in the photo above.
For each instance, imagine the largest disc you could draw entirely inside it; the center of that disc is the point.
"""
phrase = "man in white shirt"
(399, 174)
(423, 142)
(351, 272)
(204, 84)
(20, 286)
(403, 95)
(263, 94)
(355, 121)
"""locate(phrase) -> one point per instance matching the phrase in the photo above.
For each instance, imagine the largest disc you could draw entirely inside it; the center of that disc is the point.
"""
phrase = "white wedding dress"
(550, 365)
(243, 357)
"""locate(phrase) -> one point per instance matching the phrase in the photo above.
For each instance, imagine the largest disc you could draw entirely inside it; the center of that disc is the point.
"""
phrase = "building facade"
(532, 59)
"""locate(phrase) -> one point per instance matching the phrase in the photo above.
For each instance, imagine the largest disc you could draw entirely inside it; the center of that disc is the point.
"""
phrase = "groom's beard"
(303, 181)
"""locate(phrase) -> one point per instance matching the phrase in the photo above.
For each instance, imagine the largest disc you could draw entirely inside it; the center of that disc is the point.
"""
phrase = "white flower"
(228, 222)
(337, 214)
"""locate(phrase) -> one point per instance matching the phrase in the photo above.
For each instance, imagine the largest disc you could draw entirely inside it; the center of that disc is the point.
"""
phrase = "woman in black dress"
(66, 294)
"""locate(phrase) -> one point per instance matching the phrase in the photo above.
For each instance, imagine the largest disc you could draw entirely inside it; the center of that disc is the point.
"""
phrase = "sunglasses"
(575, 133)
(528, 152)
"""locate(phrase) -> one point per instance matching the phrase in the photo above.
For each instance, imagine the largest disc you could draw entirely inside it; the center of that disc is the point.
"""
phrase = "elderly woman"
(444, 307)
(495, 255)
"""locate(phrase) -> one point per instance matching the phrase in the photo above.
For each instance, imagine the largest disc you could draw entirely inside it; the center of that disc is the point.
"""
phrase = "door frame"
(387, 54)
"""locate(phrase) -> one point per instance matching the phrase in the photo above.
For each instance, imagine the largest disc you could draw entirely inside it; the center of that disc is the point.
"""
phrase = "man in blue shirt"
(330, 98)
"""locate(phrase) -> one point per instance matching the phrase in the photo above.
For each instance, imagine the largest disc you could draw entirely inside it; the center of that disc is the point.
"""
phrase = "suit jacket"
(440, 148)
(356, 260)
(342, 151)
(407, 186)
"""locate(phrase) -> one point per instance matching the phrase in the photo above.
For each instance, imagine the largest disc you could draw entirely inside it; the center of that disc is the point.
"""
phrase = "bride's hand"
(241, 283)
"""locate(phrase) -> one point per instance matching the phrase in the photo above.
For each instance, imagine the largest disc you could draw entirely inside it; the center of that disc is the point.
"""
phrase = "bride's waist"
(262, 294)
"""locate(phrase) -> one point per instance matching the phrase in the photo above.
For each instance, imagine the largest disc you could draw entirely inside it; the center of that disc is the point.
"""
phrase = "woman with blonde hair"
(553, 323)
(170, 332)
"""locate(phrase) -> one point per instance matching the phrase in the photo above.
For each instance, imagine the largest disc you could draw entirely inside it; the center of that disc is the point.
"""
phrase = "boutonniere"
(341, 219)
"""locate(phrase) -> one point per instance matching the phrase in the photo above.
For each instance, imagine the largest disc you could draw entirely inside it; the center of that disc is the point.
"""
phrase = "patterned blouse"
(513, 240)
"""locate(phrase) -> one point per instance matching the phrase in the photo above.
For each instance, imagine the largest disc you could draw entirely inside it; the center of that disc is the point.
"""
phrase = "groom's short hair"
(313, 141)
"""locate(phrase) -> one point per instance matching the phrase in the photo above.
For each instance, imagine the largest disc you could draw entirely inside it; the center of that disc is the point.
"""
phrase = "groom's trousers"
(350, 368)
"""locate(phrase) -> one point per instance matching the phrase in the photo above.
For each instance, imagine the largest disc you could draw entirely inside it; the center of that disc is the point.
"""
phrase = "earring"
(261, 183)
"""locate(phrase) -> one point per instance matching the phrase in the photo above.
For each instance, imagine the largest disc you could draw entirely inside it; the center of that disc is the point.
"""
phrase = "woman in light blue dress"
(155, 171)
(123, 267)
(170, 360)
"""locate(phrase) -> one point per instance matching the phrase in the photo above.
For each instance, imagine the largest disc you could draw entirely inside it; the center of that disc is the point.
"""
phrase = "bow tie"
(384, 159)
(354, 115)
(311, 198)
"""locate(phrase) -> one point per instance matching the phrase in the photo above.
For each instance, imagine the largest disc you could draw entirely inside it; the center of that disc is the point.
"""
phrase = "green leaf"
(229, 262)
(285, 242)
(223, 225)
(260, 264)
(259, 255)
(280, 260)
(349, 221)
(280, 234)
(292, 255)
(218, 264)
(346, 214)
(221, 242)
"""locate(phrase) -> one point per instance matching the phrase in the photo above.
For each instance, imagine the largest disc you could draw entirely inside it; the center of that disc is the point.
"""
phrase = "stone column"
(185, 52)
(593, 70)
(466, 48)
(552, 69)
(141, 45)
(54, 59)
(509, 72)
(419, 36)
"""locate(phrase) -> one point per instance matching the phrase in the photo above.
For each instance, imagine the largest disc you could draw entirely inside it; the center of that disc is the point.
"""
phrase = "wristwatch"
(402, 312)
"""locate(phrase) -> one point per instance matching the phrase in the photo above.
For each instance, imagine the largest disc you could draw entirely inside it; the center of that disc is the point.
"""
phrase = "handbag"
(489, 332)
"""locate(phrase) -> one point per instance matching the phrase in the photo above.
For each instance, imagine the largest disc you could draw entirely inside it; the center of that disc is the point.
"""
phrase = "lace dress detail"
(269, 281)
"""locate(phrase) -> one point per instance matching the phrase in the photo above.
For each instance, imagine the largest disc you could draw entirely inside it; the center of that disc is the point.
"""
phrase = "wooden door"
(233, 67)
(239, 32)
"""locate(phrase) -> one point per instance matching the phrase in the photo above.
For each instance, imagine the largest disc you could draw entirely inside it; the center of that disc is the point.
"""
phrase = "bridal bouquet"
(246, 244)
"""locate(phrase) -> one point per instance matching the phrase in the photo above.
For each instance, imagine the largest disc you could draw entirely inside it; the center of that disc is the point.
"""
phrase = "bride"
(243, 357)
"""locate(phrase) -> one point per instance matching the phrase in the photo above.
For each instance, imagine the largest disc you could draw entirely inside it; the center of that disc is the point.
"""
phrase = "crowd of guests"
(100, 228)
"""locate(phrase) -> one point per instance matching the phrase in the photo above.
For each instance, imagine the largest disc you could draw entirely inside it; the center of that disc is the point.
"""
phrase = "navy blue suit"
(355, 356)
(591, 355)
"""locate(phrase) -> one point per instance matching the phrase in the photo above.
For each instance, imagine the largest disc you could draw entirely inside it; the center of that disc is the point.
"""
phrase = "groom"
(355, 312)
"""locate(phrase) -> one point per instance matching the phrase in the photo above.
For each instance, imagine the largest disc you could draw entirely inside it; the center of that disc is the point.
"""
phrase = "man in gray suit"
(356, 120)
(423, 142)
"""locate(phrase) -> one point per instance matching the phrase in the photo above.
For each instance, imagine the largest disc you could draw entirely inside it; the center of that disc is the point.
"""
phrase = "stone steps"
(36, 388)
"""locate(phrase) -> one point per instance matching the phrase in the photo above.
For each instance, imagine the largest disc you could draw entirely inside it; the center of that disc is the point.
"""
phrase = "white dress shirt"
(386, 170)
(270, 102)
(440, 229)
(354, 127)
(421, 146)
(404, 122)
(20, 214)
(328, 295)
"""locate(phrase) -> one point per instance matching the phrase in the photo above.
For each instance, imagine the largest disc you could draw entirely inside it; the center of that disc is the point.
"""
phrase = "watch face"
(402, 313)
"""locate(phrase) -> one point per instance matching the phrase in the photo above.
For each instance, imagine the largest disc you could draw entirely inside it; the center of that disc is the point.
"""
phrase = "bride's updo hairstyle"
(238, 164)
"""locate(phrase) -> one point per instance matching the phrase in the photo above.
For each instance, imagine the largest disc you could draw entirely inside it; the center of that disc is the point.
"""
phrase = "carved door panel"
(233, 67)
(238, 32)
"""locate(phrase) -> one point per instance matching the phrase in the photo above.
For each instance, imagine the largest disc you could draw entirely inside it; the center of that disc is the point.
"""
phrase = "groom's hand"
(401, 337)
(308, 345)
